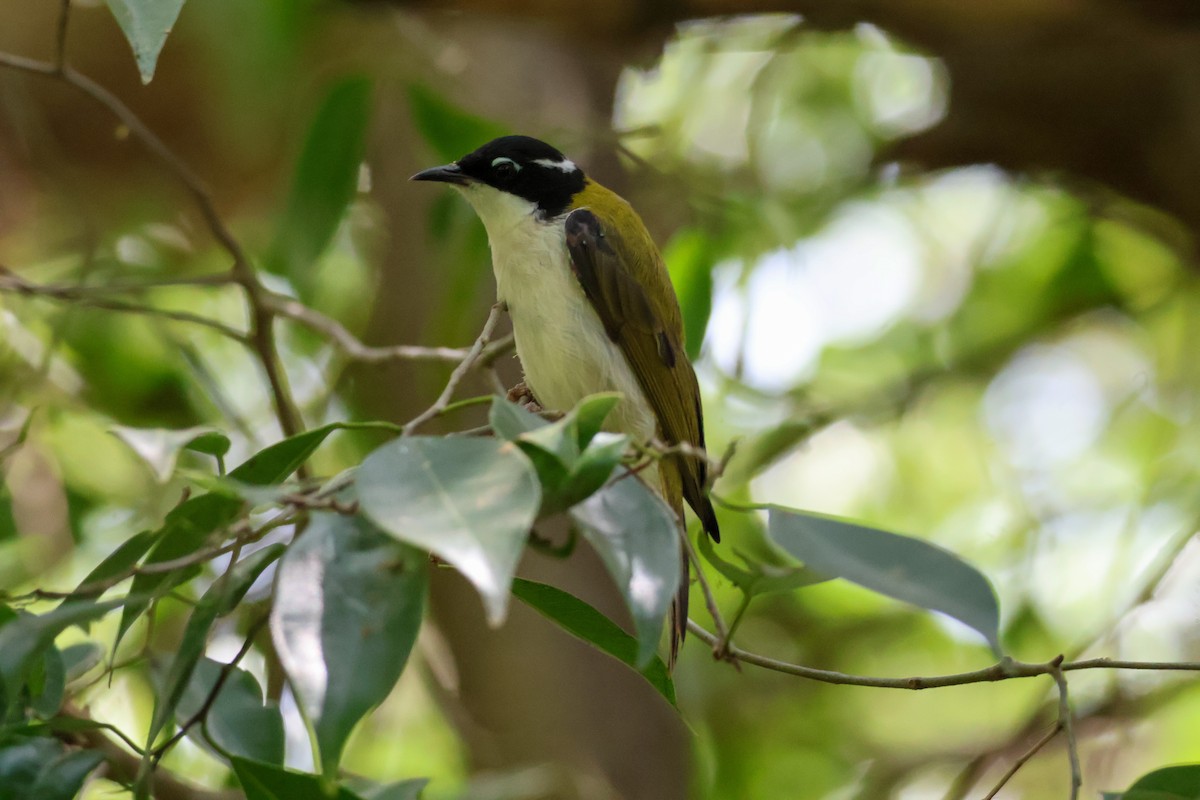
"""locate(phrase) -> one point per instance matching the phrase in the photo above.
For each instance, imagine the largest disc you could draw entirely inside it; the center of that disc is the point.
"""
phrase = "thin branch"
(218, 684)
(1003, 670)
(1023, 760)
(460, 372)
(720, 645)
(13, 283)
(1065, 722)
(350, 344)
(60, 38)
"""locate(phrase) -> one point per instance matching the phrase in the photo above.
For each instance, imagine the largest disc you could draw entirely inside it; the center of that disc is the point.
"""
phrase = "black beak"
(450, 173)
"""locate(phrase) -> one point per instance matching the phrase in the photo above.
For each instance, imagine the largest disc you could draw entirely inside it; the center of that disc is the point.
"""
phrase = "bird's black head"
(519, 165)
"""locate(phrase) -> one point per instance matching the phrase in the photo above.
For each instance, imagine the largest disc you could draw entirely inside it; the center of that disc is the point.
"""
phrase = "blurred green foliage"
(996, 364)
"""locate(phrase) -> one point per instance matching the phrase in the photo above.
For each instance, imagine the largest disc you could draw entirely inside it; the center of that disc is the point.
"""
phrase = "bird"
(592, 310)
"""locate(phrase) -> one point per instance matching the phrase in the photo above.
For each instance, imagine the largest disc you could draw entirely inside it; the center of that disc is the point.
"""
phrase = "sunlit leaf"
(237, 721)
(325, 181)
(447, 129)
(584, 622)
(469, 501)
(901, 567)
(637, 537)
(347, 609)
(146, 24)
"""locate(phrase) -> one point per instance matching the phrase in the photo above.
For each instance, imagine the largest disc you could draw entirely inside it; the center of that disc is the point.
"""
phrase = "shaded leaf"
(146, 24)
(26, 638)
(584, 622)
(237, 722)
(219, 600)
(447, 129)
(325, 181)
(191, 523)
(469, 501)
(63, 777)
(80, 657)
(637, 537)
(46, 698)
(348, 603)
(159, 448)
(1169, 783)
(40, 769)
(901, 567)
(116, 563)
(269, 782)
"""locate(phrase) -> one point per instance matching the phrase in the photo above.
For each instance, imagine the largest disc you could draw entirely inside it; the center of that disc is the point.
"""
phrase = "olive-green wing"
(649, 333)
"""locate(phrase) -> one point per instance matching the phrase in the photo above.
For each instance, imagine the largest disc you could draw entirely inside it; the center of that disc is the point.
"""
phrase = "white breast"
(563, 348)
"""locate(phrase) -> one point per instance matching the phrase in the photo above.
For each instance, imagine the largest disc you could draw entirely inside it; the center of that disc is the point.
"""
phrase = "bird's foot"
(522, 395)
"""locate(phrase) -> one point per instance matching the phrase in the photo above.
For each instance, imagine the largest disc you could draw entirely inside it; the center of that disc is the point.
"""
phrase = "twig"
(218, 684)
(1065, 722)
(459, 372)
(350, 344)
(1003, 670)
(1024, 759)
(60, 38)
(11, 282)
(261, 335)
(720, 643)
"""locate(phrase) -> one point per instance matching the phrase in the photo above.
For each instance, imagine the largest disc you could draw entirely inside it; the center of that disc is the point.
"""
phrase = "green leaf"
(1169, 783)
(80, 657)
(269, 782)
(348, 603)
(190, 524)
(116, 563)
(758, 577)
(62, 778)
(447, 129)
(469, 501)
(213, 443)
(159, 448)
(637, 537)
(903, 568)
(146, 24)
(237, 722)
(690, 257)
(325, 181)
(220, 599)
(584, 622)
(25, 639)
(509, 420)
(48, 696)
(404, 790)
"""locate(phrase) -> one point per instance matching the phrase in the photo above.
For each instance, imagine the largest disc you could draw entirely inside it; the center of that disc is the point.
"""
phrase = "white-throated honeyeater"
(592, 308)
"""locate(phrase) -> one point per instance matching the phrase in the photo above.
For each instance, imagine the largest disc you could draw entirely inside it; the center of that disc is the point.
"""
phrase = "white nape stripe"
(566, 165)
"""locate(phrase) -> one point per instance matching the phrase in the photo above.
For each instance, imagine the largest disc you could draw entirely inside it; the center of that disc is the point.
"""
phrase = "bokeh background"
(937, 264)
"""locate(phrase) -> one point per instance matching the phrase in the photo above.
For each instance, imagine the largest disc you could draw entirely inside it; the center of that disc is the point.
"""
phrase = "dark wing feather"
(650, 339)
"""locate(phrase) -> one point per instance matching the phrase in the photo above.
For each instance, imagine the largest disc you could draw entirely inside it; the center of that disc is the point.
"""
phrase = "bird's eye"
(505, 167)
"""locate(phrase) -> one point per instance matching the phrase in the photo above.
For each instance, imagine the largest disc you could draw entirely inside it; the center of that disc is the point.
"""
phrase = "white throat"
(564, 349)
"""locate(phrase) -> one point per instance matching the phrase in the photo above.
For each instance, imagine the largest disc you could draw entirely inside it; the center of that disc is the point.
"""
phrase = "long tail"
(679, 609)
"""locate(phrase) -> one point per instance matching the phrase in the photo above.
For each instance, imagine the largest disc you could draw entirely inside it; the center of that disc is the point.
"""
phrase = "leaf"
(469, 501)
(159, 448)
(269, 782)
(146, 24)
(48, 697)
(1169, 783)
(637, 537)
(584, 622)
(62, 778)
(901, 567)
(25, 639)
(213, 443)
(237, 722)
(80, 657)
(690, 257)
(571, 457)
(447, 129)
(348, 604)
(118, 562)
(220, 599)
(404, 790)
(325, 181)
(190, 524)
(758, 577)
